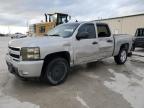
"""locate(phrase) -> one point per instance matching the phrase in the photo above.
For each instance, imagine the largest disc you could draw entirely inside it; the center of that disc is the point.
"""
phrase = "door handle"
(109, 40)
(95, 43)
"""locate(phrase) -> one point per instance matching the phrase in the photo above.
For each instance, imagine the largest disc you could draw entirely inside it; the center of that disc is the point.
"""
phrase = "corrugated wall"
(125, 25)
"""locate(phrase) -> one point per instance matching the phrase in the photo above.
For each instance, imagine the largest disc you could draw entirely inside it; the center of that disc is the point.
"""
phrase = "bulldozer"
(51, 21)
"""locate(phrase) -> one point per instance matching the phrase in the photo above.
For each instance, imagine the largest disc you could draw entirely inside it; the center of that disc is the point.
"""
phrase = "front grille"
(15, 49)
(14, 53)
(14, 56)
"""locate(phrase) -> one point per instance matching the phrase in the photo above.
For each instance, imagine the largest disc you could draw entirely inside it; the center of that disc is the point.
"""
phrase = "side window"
(89, 28)
(42, 29)
(103, 30)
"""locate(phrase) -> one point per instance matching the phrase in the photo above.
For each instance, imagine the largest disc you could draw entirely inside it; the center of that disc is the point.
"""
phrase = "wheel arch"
(49, 57)
(125, 45)
(117, 58)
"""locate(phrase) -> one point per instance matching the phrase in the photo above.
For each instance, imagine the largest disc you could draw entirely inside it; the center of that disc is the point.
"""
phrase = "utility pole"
(27, 25)
(9, 31)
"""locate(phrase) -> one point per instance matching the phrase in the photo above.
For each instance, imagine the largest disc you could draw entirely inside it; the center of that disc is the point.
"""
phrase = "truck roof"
(86, 22)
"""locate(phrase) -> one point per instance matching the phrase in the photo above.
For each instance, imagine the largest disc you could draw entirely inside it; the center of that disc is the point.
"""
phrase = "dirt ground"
(102, 84)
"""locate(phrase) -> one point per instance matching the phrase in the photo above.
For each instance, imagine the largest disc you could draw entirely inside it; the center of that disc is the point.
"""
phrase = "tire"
(56, 71)
(121, 58)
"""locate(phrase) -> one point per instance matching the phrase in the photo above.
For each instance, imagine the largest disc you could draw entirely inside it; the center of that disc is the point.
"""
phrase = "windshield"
(53, 18)
(64, 30)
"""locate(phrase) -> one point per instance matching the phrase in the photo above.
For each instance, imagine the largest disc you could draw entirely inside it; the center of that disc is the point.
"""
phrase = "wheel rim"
(123, 56)
(57, 72)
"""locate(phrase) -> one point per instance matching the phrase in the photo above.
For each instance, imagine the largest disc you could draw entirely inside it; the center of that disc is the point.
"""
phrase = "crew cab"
(50, 58)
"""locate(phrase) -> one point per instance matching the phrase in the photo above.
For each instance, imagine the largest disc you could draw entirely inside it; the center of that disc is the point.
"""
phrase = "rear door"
(106, 42)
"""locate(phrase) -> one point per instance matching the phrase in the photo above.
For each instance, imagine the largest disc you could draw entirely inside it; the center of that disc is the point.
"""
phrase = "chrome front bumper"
(24, 68)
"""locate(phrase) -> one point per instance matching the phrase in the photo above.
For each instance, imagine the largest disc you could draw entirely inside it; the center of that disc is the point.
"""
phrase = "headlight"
(30, 53)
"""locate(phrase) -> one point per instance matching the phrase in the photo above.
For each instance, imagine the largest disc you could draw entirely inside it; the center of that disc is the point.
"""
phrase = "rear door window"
(103, 30)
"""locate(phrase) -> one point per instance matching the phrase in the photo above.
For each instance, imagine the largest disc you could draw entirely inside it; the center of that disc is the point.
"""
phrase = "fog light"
(25, 73)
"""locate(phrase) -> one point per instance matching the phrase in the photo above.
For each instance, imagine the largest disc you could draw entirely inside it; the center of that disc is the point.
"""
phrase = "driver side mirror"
(82, 35)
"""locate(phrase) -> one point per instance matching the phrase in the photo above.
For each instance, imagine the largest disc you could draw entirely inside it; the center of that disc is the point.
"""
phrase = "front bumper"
(24, 69)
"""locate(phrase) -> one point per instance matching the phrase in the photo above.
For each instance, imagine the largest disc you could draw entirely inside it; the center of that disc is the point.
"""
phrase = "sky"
(16, 15)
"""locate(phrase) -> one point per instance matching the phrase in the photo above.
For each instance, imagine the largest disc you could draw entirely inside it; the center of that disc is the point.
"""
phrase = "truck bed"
(120, 39)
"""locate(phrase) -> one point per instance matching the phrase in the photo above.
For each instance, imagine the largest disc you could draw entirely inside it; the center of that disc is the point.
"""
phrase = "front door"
(86, 49)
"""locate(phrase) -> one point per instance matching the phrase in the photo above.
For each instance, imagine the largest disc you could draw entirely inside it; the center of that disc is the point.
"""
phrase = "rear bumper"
(24, 69)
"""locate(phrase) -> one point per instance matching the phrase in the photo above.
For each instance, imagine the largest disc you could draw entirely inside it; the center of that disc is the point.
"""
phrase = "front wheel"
(121, 57)
(57, 71)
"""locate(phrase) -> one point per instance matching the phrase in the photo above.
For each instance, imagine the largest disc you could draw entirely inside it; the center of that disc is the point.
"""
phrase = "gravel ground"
(101, 84)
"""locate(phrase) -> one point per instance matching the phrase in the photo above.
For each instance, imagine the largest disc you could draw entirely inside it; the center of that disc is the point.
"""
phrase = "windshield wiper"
(54, 35)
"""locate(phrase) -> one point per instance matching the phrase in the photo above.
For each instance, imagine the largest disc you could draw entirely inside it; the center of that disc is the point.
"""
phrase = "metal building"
(125, 24)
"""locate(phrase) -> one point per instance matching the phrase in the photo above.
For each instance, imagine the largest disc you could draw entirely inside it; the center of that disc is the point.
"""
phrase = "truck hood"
(34, 41)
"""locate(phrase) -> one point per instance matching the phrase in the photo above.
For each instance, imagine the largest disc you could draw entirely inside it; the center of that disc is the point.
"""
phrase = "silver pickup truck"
(51, 57)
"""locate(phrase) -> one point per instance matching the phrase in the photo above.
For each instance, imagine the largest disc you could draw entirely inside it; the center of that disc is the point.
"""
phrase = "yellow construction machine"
(51, 20)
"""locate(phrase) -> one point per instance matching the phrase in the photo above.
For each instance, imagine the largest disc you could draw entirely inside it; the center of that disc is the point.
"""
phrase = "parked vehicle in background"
(139, 38)
(2, 35)
(51, 57)
(18, 35)
(51, 21)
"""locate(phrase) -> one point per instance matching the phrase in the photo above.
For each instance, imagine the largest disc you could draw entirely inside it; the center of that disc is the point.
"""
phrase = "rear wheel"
(57, 71)
(121, 57)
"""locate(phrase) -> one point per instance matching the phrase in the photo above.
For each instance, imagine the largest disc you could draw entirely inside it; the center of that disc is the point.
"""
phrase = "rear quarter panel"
(120, 40)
